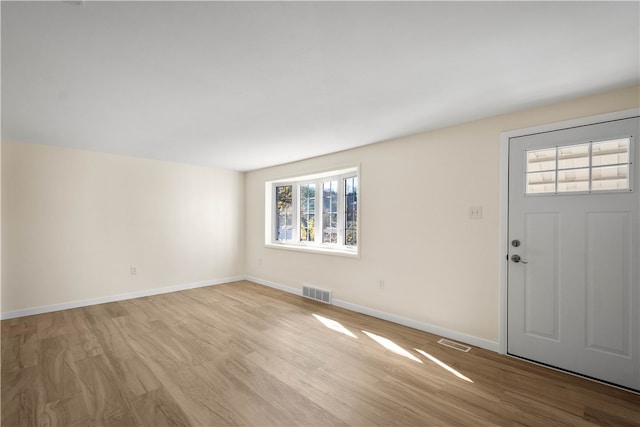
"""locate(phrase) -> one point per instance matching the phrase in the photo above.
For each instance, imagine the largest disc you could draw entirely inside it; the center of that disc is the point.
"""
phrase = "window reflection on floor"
(390, 345)
(334, 325)
(443, 365)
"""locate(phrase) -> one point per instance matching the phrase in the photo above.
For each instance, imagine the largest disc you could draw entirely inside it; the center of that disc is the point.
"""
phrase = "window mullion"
(556, 172)
(341, 210)
(590, 165)
(318, 213)
(295, 236)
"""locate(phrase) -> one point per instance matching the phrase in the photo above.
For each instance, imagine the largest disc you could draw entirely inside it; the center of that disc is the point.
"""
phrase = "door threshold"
(576, 374)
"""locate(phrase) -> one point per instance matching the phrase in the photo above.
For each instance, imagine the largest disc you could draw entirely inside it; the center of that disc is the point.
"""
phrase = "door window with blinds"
(595, 166)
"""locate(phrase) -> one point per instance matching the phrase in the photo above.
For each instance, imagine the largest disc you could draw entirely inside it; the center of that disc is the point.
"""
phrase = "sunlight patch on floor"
(390, 345)
(336, 326)
(443, 365)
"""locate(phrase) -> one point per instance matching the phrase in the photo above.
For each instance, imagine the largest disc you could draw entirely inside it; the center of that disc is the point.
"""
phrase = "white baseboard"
(119, 297)
(457, 336)
(436, 330)
(274, 285)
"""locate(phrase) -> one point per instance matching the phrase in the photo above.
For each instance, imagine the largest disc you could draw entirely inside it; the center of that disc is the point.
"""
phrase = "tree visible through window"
(284, 213)
(351, 211)
(330, 212)
(307, 212)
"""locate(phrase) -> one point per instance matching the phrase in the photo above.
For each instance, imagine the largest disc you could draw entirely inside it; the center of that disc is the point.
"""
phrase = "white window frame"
(317, 246)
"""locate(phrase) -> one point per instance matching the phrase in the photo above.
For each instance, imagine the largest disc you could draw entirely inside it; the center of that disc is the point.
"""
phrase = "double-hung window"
(314, 212)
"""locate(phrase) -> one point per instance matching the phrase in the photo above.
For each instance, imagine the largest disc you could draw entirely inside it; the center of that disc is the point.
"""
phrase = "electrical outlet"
(381, 284)
(133, 271)
(475, 212)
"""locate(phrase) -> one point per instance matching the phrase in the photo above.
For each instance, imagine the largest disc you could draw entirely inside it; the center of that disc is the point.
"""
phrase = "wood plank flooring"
(244, 354)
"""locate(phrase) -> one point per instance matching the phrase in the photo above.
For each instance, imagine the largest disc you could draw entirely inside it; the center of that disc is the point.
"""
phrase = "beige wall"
(74, 222)
(440, 268)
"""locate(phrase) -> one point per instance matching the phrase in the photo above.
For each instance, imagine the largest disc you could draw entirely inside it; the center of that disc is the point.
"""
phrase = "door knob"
(516, 258)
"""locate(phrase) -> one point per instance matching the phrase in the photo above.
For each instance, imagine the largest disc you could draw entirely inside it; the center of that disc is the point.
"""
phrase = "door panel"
(573, 299)
(608, 281)
(542, 299)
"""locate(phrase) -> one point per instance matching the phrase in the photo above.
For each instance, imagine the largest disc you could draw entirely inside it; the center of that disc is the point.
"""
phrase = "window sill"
(314, 249)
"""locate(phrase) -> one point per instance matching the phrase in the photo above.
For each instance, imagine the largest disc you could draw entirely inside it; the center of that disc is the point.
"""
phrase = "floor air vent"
(454, 345)
(316, 294)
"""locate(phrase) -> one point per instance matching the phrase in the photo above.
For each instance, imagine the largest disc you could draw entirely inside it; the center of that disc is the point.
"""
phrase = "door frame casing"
(504, 199)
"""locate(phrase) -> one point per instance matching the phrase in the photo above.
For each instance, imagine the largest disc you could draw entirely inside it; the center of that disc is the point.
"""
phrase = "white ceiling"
(244, 85)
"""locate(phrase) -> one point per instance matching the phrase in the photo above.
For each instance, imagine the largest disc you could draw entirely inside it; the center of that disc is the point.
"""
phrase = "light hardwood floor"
(244, 354)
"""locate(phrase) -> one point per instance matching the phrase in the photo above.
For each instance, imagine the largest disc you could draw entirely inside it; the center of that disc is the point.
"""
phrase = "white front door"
(574, 252)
